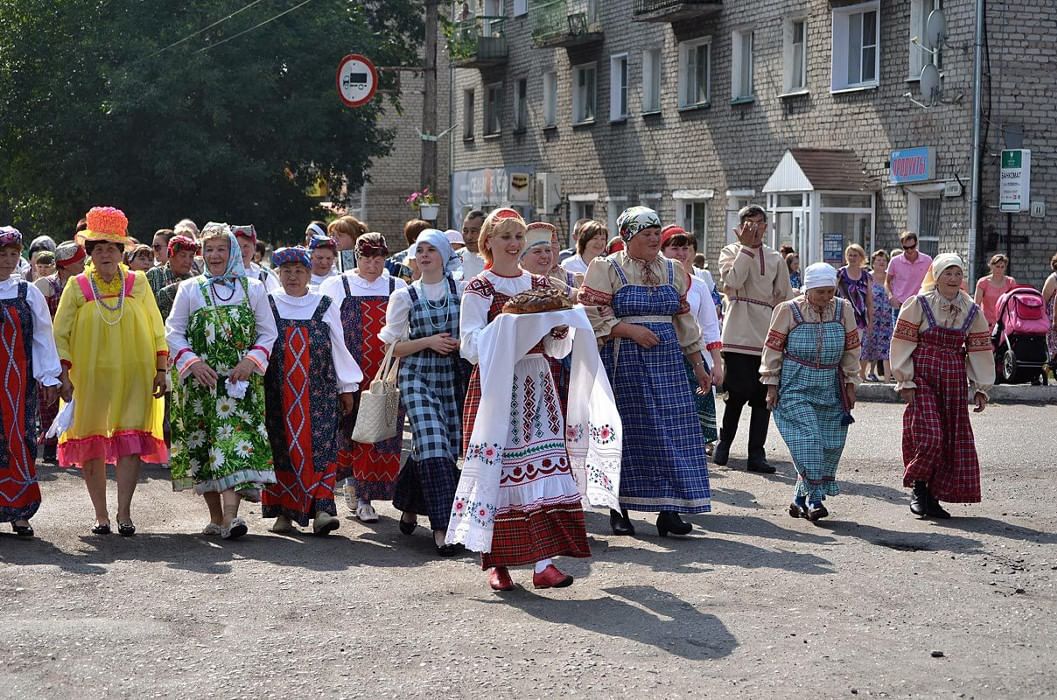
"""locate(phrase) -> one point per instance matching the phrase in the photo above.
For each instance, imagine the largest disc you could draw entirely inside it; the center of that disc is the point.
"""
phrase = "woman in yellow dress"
(111, 342)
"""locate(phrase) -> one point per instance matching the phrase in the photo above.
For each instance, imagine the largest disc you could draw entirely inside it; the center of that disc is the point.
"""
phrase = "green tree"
(93, 110)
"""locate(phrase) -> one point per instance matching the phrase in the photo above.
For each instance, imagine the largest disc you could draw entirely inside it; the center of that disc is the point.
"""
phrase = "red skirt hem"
(525, 537)
(121, 444)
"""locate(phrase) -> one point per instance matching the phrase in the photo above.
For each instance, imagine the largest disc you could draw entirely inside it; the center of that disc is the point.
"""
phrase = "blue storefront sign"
(911, 165)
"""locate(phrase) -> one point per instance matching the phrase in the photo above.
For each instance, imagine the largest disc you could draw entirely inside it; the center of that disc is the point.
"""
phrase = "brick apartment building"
(580, 108)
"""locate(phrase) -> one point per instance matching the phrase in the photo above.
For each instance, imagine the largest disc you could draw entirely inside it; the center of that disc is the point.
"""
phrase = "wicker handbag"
(379, 405)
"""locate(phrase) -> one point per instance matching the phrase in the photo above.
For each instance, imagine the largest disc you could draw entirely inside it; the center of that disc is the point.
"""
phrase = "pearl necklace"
(119, 307)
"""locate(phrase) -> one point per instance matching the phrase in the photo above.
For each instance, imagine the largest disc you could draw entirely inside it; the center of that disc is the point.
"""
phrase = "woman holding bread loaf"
(534, 511)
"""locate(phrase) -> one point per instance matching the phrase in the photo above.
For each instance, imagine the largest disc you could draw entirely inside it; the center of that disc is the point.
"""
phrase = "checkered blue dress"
(810, 405)
(431, 390)
(663, 465)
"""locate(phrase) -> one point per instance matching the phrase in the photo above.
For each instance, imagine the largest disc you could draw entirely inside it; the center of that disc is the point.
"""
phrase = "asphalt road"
(753, 604)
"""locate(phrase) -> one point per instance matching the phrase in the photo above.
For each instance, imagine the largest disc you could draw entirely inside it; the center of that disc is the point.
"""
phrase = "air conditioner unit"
(548, 193)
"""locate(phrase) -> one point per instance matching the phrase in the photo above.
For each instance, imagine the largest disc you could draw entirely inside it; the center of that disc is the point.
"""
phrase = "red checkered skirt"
(538, 511)
(938, 443)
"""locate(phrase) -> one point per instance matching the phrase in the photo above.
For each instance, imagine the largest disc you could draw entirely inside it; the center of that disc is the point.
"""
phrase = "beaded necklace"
(100, 304)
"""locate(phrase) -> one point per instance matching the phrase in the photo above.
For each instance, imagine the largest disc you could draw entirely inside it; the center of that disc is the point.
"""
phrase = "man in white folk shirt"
(755, 279)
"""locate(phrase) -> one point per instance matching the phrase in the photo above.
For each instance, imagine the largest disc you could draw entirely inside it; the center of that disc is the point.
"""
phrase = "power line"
(256, 26)
(205, 29)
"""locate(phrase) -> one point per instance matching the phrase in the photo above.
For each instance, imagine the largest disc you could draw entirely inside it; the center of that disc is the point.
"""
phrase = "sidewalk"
(1001, 393)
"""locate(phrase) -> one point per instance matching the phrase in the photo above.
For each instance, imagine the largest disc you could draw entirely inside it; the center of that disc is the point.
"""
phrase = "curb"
(1000, 394)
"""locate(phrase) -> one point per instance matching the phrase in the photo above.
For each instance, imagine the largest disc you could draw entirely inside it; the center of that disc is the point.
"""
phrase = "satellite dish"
(930, 84)
(935, 30)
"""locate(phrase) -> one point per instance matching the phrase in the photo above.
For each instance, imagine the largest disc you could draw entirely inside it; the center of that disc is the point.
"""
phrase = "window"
(581, 207)
(695, 72)
(856, 54)
(467, 114)
(923, 217)
(584, 93)
(919, 17)
(741, 65)
(651, 81)
(691, 212)
(493, 110)
(550, 99)
(618, 87)
(795, 56)
(521, 106)
(520, 7)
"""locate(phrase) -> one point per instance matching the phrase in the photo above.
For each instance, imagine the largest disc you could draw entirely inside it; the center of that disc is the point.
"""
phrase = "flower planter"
(429, 212)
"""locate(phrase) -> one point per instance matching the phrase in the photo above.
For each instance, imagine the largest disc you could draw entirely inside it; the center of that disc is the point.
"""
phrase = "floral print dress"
(220, 443)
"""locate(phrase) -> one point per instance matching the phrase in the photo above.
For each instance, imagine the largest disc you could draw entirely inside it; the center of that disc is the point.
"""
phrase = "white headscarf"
(820, 275)
(939, 263)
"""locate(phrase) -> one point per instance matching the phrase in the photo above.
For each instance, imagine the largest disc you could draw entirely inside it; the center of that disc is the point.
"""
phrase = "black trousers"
(743, 386)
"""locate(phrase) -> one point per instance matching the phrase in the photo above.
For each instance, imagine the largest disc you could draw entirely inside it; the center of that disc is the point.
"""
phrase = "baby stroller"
(1019, 336)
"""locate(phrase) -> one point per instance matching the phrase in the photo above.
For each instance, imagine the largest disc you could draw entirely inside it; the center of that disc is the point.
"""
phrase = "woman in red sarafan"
(27, 357)
(362, 295)
(940, 347)
(311, 381)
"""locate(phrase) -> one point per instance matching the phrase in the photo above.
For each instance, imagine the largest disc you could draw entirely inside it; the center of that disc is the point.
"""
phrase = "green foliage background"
(90, 116)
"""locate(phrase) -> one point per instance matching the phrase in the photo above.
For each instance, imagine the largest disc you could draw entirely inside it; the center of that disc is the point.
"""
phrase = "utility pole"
(428, 174)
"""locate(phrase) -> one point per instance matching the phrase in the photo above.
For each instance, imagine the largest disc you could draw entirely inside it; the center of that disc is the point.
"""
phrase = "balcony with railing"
(673, 10)
(478, 42)
(566, 23)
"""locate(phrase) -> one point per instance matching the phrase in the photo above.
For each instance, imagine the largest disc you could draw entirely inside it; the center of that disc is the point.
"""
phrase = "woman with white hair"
(941, 344)
(811, 368)
(221, 332)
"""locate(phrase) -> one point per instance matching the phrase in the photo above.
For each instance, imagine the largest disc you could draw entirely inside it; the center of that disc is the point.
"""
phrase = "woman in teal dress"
(220, 334)
(811, 368)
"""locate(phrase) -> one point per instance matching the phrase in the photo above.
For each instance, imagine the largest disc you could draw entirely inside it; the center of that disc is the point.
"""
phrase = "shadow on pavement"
(640, 614)
(900, 540)
(989, 526)
(730, 524)
(212, 555)
(695, 554)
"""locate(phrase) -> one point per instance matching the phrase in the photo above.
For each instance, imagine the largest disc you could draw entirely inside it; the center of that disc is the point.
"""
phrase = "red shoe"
(500, 579)
(551, 578)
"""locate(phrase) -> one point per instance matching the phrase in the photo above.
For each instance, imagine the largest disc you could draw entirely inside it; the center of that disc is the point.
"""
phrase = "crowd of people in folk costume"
(245, 380)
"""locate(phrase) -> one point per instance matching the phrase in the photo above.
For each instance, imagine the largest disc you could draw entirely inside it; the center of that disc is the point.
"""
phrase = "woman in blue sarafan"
(811, 368)
(636, 300)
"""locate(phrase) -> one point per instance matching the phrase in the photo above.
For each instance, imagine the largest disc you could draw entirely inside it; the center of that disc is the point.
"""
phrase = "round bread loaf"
(537, 301)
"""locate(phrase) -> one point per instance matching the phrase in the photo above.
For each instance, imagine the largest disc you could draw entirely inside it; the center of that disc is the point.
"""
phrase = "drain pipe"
(974, 206)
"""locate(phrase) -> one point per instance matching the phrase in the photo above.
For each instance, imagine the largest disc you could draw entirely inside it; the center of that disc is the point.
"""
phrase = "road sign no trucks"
(357, 80)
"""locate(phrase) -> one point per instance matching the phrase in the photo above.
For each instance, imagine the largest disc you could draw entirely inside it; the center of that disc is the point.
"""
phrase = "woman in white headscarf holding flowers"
(811, 368)
(220, 332)
(940, 347)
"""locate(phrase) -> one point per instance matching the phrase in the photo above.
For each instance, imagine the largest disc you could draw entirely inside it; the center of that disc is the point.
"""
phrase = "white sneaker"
(324, 523)
(365, 513)
(234, 531)
(350, 495)
(283, 524)
(211, 530)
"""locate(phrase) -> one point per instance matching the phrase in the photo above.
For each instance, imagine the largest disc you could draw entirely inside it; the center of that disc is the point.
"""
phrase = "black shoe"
(669, 522)
(620, 523)
(817, 511)
(126, 529)
(758, 463)
(721, 454)
(408, 528)
(103, 529)
(919, 499)
(25, 531)
(933, 509)
(448, 550)
(797, 511)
